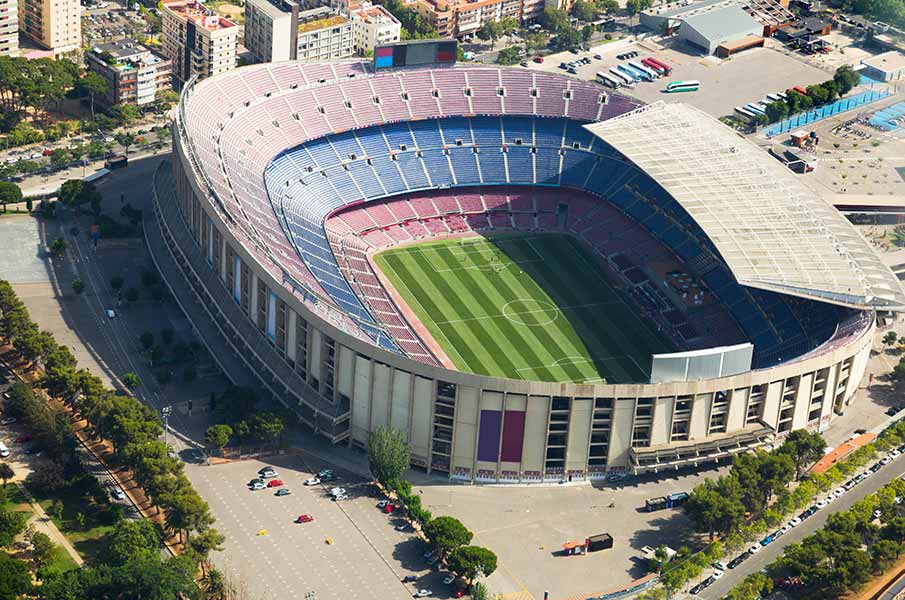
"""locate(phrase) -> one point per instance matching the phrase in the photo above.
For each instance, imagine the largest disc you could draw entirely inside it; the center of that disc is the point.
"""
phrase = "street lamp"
(166, 411)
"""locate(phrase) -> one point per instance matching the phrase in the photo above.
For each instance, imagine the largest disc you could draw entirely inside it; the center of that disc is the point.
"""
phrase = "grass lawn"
(525, 306)
(15, 499)
(61, 561)
(88, 539)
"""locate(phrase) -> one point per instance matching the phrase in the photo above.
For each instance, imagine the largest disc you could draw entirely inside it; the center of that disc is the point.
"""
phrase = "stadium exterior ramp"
(224, 252)
(773, 232)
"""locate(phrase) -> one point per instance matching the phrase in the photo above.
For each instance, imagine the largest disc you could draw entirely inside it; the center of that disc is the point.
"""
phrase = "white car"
(717, 574)
(110, 313)
(830, 498)
(118, 494)
(449, 579)
(795, 522)
(838, 492)
(312, 481)
(754, 549)
(822, 503)
(338, 491)
(258, 485)
(895, 453)
(422, 593)
(886, 460)
(785, 529)
(268, 474)
(339, 497)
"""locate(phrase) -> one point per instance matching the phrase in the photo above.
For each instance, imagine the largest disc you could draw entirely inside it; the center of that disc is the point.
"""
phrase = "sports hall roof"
(773, 232)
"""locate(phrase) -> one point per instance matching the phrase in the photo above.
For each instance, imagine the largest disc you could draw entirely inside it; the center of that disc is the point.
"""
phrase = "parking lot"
(272, 554)
(746, 77)
(111, 22)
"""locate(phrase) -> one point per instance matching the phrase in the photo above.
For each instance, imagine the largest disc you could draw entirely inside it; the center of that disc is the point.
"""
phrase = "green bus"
(683, 86)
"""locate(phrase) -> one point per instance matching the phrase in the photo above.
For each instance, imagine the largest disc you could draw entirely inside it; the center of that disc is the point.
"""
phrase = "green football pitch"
(525, 306)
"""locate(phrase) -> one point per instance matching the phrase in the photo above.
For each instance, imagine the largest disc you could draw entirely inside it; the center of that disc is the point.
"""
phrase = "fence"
(839, 106)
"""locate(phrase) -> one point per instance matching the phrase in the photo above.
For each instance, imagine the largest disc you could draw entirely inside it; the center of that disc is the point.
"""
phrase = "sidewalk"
(45, 524)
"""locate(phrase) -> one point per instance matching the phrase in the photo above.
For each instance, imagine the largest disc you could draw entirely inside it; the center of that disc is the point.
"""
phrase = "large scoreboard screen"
(410, 54)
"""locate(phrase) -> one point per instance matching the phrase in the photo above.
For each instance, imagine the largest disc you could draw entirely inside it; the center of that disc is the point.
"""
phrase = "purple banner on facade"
(489, 437)
(513, 436)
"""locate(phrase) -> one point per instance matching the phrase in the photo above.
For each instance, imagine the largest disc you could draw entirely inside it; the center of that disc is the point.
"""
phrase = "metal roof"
(772, 231)
(727, 22)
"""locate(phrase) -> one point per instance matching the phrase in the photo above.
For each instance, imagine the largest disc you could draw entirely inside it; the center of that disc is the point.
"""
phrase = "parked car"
(283, 492)
(409, 579)
(118, 494)
(312, 481)
(754, 549)
(22, 439)
(449, 579)
(304, 519)
(422, 593)
(274, 483)
(538, 59)
(795, 522)
(257, 486)
(738, 560)
(8, 421)
(325, 473)
(268, 474)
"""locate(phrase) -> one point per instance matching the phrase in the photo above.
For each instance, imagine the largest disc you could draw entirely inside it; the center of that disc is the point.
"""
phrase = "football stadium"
(532, 277)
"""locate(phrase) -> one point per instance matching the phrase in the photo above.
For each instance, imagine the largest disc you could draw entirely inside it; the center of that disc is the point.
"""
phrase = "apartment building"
(323, 35)
(373, 25)
(271, 29)
(9, 28)
(55, 25)
(455, 18)
(135, 73)
(197, 40)
(277, 30)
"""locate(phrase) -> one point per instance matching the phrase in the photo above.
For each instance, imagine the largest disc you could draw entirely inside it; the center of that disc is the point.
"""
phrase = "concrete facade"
(323, 35)
(373, 26)
(135, 73)
(271, 29)
(197, 41)
(9, 28)
(52, 24)
(889, 66)
(459, 423)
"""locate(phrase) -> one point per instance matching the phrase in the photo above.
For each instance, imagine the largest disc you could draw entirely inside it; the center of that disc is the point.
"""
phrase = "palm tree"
(6, 472)
(214, 585)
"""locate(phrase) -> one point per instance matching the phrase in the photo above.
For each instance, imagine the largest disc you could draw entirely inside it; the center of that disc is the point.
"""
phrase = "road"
(769, 554)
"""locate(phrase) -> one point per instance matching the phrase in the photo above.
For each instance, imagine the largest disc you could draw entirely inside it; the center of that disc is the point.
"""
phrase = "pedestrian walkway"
(43, 523)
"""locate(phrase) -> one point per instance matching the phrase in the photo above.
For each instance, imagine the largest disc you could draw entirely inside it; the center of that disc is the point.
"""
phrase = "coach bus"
(660, 64)
(608, 80)
(644, 69)
(653, 66)
(745, 112)
(628, 81)
(756, 109)
(644, 74)
(629, 72)
(683, 86)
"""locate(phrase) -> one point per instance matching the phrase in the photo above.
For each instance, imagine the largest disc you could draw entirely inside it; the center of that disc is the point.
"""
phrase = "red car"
(274, 483)
(23, 438)
(304, 519)
(538, 59)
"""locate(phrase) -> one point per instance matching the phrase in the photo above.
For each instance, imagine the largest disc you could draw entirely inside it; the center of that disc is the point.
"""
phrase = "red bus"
(660, 64)
(652, 65)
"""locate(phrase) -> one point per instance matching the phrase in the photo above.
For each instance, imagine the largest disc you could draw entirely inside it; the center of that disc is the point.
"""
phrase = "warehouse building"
(889, 66)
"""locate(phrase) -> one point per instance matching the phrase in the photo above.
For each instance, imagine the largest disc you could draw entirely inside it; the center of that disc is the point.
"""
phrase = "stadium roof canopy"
(773, 232)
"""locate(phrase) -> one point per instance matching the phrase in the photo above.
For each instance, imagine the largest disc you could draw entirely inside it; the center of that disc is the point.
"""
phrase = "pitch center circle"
(530, 312)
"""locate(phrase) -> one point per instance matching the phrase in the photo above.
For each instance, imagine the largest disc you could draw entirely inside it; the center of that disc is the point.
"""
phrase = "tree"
(884, 553)
(215, 585)
(890, 338)
(116, 282)
(58, 246)
(266, 427)
(567, 38)
(125, 140)
(15, 580)
(554, 20)
(203, 543)
(584, 11)
(472, 561)
(78, 286)
(846, 78)
(130, 380)
(716, 506)
(508, 56)
(217, 436)
(818, 94)
(125, 114)
(41, 547)
(166, 335)
(131, 540)
(388, 455)
(11, 525)
(753, 587)
(10, 193)
(165, 99)
(131, 294)
(147, 340)
(805, 448)
(93, 85)
(446, 534)
(777, 110)
(536, 41)
(492, 31)
(6, 472)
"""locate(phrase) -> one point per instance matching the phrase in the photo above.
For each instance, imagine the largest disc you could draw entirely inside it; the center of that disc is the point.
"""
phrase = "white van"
(4, 451)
